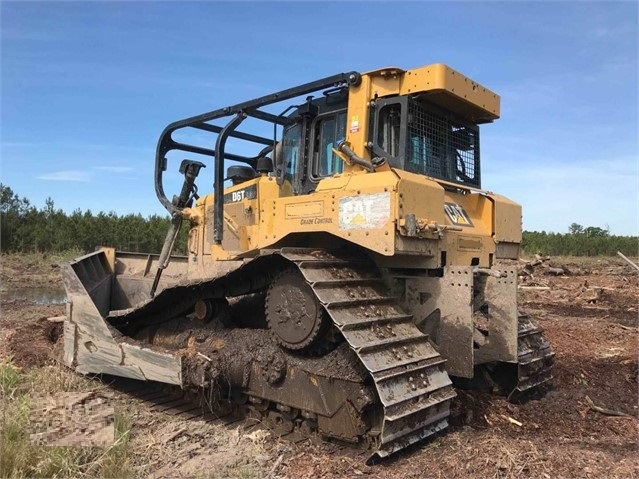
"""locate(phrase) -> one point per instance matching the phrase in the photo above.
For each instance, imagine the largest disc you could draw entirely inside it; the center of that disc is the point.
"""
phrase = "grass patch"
(10, 379)
(56, 378)
(19, 457)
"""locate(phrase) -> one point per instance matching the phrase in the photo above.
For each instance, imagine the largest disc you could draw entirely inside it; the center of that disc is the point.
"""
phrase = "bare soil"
(590, 317)
(33, 270)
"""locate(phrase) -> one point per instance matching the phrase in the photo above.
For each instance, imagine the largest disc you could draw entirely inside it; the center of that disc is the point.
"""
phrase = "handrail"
(248, 108)
(218, 186)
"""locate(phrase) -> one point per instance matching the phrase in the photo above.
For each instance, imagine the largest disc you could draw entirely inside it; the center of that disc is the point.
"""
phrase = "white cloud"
(66, 175)
(114, 169)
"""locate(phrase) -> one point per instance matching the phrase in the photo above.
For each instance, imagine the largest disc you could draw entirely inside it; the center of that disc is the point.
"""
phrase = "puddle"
(36, 295)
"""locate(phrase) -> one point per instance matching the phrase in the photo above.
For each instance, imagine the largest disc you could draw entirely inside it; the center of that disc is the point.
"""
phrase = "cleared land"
(586, 426)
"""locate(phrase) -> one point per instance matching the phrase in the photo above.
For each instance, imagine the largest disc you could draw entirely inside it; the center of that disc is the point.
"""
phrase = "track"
(384, 388)
(288, 392)
(535, 358)
(161, 398)
(409, 375)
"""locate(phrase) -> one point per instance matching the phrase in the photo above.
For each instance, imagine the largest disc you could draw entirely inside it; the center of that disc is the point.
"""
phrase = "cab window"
(290, 157)
(329, 131)
(388, 134)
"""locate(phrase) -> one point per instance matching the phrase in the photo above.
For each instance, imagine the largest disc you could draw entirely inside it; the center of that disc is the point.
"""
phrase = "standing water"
(36, 295)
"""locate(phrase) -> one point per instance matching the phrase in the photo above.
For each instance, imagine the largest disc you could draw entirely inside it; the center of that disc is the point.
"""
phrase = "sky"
(87, 88)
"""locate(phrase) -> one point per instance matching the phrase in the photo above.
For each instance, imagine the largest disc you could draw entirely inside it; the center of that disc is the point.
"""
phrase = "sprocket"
(293, 312)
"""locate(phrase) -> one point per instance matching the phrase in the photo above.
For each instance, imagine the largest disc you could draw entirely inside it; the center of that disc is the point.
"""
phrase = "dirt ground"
(585, 426)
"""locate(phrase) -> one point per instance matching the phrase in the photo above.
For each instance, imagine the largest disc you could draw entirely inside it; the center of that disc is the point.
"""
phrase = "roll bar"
(239, 112)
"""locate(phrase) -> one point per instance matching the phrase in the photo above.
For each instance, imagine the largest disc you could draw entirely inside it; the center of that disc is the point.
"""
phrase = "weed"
(10, 379)
(56, 378)
(19, 457)
(117, 462)
(579, 381)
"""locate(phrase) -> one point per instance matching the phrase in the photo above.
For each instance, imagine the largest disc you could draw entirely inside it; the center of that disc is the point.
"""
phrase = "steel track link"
(409, 374)
(535, 358)
(172, 400)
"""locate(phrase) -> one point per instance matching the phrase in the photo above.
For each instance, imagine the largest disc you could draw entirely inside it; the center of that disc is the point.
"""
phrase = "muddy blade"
(535, 358)
(409, 374)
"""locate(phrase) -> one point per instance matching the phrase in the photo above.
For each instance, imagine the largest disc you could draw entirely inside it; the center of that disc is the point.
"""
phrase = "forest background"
(26, 228)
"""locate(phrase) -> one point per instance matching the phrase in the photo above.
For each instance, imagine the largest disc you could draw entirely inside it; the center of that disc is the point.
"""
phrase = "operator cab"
(412, 133)
(420, 137)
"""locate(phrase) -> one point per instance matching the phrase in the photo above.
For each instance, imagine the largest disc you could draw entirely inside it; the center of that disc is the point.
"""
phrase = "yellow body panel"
(453, 91)
(361, 211)
(388, 211)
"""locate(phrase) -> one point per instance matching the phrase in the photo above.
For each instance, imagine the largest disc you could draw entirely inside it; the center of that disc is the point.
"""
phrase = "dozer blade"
(91, 344)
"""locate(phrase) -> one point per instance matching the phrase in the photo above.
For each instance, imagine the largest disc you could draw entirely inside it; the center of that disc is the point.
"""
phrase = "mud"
(224, 353)
(33, 344)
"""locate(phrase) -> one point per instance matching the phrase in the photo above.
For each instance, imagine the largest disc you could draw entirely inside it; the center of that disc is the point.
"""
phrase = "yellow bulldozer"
(344, 276)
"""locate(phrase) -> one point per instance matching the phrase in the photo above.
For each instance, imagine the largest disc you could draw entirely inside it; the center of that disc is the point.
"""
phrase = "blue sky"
(88, 87)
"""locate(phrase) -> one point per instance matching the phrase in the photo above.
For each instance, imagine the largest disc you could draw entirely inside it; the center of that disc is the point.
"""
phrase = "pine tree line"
(24, 228)
(582, 243)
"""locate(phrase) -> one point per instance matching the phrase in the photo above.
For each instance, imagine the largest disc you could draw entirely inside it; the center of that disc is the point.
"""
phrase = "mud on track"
(561, 435)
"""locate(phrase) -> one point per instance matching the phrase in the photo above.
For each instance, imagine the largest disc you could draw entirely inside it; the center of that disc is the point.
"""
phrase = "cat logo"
(457, 214)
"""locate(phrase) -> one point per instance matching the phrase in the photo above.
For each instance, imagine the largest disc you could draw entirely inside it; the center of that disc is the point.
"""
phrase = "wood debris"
(621, 255)
(512, 420)
(56, 319)
(542, 265)
(603, 410)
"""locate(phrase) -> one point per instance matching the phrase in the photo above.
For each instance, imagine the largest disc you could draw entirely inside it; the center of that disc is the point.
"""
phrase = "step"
(357, 291)
(377, 360)
(359, 323)
(346, 303)
(414, 431)
(388, 343)
(319, 272)
(379, 335)
(404, 411)
(364, 311)
(411, 385)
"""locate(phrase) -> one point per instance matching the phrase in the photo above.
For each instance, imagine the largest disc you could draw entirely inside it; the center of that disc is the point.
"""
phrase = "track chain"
(249, 413)
(408, 373)
(535, 358)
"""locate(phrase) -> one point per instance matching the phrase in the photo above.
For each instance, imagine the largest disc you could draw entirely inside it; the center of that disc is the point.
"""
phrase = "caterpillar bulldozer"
(344, 276)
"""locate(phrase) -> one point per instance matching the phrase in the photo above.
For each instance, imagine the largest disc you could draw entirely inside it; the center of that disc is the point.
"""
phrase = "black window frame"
(401, 160)
(315, 147)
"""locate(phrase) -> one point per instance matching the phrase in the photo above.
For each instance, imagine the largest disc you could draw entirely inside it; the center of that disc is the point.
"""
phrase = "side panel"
(442, 308)
(363, 213)
(496, 317)
(507, 226)
(471, 317)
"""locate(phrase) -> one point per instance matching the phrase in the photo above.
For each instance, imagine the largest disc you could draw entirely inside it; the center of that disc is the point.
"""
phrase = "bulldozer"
(344, 276)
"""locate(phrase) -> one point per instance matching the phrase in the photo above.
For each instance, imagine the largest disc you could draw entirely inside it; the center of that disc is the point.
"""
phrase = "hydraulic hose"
(190, 169)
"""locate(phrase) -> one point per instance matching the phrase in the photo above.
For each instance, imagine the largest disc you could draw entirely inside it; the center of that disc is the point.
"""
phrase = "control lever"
(190, 169)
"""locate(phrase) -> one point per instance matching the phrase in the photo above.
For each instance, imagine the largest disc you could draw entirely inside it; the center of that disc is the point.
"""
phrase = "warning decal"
(354, 124)
(457, 214)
